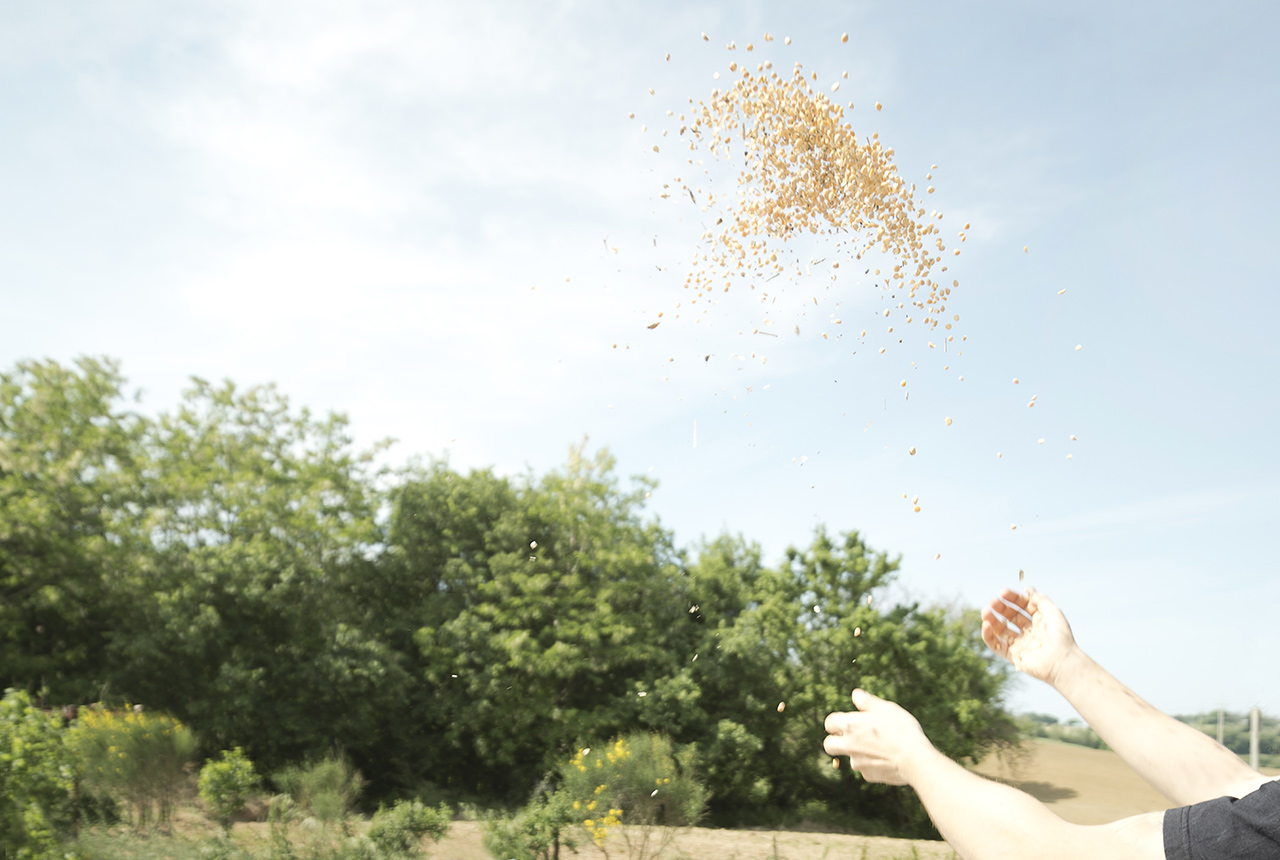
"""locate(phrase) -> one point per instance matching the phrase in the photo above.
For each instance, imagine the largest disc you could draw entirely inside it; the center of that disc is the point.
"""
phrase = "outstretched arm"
(979, 818)
(1182, 763)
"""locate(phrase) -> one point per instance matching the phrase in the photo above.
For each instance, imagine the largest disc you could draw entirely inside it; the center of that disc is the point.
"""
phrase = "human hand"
(1030, 632)
(881, 739)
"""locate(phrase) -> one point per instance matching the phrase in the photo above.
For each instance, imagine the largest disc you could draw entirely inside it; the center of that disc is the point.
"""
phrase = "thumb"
(862, 700)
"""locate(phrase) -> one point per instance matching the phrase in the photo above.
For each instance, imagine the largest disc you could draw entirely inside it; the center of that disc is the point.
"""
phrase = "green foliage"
(225, 785)
(139, 758)
(69, 507)
(537, 832)
(1235, 735)
(398, 831)
(638, 780)
(35, 780)
(1044, 726)
(327, 788)
(239, 563)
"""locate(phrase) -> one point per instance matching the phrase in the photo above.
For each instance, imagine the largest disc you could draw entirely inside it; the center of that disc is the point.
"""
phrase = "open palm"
(1029, 631)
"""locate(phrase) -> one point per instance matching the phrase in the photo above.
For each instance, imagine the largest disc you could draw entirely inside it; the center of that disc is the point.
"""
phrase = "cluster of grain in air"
(802, 172)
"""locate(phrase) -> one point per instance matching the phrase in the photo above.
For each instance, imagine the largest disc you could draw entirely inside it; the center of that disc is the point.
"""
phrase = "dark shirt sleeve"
(1226, 828)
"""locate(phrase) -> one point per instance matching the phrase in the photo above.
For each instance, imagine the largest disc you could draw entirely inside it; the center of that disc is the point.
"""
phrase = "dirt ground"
(704, 843)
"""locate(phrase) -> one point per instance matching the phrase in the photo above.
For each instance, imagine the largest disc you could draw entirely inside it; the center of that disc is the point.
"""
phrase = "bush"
(638, 780)
(398, 831)
(35, 780)
(225, 785)
(328, 788)
(138, 758)
(536, 833)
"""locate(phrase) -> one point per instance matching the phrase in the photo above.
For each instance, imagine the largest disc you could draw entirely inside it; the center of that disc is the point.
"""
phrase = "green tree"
(563, 622)
(225, 784)
(70, 522)
(263, 521)
(36, 779)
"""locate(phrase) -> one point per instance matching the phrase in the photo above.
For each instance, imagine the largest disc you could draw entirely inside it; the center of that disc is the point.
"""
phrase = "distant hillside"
(1235, 732)
(1084, 786)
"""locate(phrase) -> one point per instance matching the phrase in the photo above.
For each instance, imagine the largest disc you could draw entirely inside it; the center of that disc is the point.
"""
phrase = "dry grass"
(704, 843)
(1081, 785)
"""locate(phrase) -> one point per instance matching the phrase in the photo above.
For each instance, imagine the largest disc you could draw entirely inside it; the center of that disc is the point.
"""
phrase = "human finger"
(1017, 598)
(1014, 607)
(836, 722)
(994, 635)
(1011, 616)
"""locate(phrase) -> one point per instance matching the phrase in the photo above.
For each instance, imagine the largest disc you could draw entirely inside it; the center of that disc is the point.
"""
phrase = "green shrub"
(35, 780)
(536, 833)
(398, 831)
(327, 788)
(138, 758)
(225, 785)
(638, 780)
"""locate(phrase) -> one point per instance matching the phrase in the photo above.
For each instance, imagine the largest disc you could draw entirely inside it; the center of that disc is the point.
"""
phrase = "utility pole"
(1254, 720)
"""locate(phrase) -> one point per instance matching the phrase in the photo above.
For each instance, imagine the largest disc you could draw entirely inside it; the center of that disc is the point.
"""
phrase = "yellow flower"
(591, 806)
(577, 804)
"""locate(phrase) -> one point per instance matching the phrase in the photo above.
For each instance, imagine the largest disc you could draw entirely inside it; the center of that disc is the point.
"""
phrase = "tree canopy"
(240, 564)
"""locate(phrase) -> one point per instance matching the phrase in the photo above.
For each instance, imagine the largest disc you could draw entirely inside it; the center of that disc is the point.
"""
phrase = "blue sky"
(406, 212)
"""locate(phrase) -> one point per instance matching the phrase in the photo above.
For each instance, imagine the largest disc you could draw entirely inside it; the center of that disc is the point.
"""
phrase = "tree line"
(241, 564)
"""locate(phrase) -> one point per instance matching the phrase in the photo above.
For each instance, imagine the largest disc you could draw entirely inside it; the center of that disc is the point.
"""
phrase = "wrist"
(1069, 669)
(922, 759)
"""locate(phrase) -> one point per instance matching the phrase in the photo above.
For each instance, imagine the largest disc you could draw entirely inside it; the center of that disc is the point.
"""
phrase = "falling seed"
(947, 421)
(1079, 347)
(937, 555)
(835, 764)
(533, 544)
(911, 451)
(642, 694)
(782, 706)
(1013, 526)
(655, 147)
(844, 37)
(902, 384)
(653, 793)
(651, 91)
(1073, 437)
(1024, 249)
(999, 455)
(916, 508)
(1040, 441)
(786, 40)
(1061, 291)
(1015, 380)
(879, 106)
(1068, 456)
(857, 631)
(1020, 575)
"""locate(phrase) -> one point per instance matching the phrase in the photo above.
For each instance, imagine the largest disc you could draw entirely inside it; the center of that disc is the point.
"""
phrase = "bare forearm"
(983, 819)
(1180, 762)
